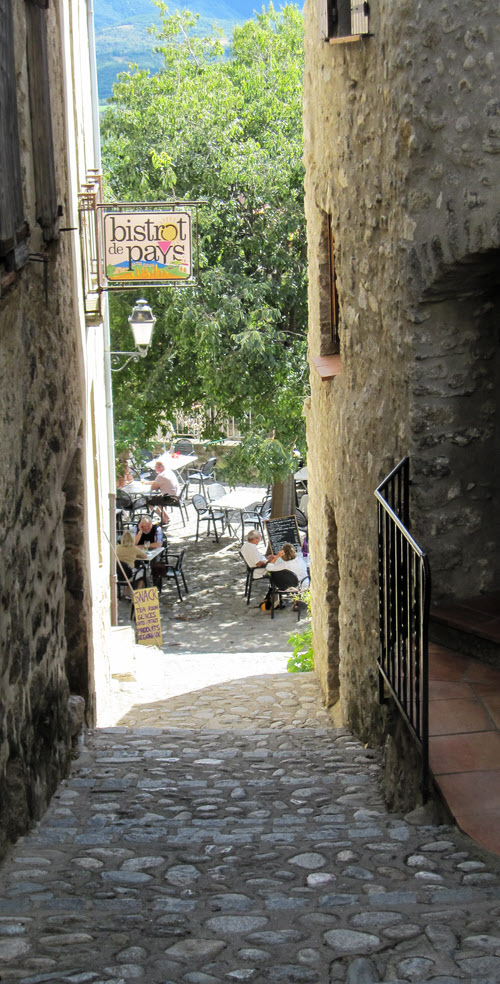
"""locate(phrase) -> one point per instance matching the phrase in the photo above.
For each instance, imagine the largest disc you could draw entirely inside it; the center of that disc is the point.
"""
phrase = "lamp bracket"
(131, 357)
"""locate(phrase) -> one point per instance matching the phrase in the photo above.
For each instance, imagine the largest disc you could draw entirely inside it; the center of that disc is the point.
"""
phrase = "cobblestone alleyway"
(252, 850)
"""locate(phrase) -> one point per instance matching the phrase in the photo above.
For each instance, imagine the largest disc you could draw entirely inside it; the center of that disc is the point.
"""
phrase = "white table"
(302, 474)
(175, 462)
(238, 499)
(137, 488)
(154, 552)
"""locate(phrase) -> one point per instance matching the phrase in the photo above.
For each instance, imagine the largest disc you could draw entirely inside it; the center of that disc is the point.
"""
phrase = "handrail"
(404, 603)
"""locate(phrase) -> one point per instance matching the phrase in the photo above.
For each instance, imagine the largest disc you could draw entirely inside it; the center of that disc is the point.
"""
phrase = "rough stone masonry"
(402, 137)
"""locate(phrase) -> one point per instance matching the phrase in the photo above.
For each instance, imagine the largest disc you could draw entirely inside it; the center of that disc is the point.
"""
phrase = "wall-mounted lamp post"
(142, 322)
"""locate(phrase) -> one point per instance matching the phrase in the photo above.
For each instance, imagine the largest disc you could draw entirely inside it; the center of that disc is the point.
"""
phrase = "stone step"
(470, 626)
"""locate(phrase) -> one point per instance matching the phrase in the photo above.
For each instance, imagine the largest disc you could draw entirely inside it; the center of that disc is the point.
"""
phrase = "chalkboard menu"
(282, 530)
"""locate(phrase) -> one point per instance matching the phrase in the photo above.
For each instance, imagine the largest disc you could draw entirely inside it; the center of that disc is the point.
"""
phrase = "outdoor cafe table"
(175, 462)
(153, 554)
(302, 474)
(137, 488)
(237, 499)
(139, 492)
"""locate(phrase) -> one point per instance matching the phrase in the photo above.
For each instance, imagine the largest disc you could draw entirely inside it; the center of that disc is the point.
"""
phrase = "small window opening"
(344, 20)
(334, 297)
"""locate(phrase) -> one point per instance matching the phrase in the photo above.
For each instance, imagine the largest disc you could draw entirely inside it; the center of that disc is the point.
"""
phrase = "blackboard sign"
(282, 530)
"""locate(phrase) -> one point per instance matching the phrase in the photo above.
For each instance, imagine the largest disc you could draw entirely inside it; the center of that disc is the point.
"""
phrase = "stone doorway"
(456, 429)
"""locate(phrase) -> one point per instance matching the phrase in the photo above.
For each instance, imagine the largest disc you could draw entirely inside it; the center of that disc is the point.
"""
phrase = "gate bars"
(404, 601)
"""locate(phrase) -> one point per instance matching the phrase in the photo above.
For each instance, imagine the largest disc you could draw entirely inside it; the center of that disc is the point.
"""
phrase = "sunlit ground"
(209, 639)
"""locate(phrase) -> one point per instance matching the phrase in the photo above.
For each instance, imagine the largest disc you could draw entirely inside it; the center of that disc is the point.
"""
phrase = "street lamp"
(142, 322)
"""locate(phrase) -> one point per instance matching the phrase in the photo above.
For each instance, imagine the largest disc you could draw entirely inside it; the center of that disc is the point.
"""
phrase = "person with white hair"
(253, 556)
(165, 481)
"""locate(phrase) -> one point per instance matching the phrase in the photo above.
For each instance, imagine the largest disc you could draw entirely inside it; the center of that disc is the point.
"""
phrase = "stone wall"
(402, 134)
(41, 413)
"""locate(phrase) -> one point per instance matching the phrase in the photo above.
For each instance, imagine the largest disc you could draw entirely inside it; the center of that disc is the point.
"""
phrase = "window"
(343, 20)
(328, 363)
(47, 213)
(13, 227)
(334, 297)
(327, 284)
(14, 230)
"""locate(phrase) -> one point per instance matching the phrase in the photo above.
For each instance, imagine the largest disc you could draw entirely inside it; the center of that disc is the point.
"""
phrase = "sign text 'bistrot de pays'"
(140, 247)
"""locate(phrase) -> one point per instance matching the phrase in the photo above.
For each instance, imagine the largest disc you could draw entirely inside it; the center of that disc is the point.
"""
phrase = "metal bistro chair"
(160, 500)
(251, 517)
(284, 584)
(216, 491)
(264, 509)
(208, 514)
(139, 507)
(183, 504)
(174, 571)
(138, 573)
(124, 510)
(250, 578)
(301, 520)
(203, 474)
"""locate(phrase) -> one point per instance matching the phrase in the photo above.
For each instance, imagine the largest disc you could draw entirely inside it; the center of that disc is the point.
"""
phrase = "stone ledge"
(328, 366)
(347, 38)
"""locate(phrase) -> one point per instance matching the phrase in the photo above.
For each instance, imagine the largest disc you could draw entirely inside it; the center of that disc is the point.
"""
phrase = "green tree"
(222, 124)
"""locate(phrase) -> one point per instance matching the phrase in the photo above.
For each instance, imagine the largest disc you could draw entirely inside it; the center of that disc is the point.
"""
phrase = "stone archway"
(455, 423)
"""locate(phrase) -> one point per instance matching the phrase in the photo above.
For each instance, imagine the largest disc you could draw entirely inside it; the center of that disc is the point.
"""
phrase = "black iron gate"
(404, 600)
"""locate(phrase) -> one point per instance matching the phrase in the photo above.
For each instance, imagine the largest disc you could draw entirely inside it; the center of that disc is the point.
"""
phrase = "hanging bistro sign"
(125, 244)
(147, 247)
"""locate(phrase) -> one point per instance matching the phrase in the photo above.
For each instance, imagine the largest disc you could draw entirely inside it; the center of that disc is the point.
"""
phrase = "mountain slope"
(122, 37)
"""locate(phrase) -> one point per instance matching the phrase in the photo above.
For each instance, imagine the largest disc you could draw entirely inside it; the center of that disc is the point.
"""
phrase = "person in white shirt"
(253, 556)
(288, 560)
(165, 481)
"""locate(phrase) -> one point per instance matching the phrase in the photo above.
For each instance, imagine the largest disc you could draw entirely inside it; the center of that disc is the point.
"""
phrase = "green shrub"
(302, 659)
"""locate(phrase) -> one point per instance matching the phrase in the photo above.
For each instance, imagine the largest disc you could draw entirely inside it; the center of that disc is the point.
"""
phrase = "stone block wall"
(41, 414)
(402, 134)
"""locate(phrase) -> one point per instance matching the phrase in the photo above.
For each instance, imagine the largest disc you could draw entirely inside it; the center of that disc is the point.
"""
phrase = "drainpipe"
(110, 436)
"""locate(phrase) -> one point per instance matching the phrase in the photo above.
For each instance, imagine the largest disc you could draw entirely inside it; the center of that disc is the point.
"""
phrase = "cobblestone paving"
(270, 700)
(255, 850)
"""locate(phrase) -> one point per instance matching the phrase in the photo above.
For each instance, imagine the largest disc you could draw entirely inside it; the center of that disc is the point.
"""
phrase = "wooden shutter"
(41, 120)
(13, 228)
(323, 19)
(360, 13)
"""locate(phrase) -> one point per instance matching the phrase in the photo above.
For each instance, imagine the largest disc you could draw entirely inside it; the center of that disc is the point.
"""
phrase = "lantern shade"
(142, 322)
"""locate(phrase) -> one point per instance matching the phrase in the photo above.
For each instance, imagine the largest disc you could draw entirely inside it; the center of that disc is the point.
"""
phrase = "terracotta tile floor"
(464, 743)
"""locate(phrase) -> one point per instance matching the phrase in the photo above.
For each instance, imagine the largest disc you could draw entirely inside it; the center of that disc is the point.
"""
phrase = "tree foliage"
(222, 124)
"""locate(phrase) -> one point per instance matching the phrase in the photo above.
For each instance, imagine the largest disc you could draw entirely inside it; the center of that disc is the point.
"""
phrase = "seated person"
(253, 556)
(288, 560)
(166, 483)
(128, 554)
(146, 534)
